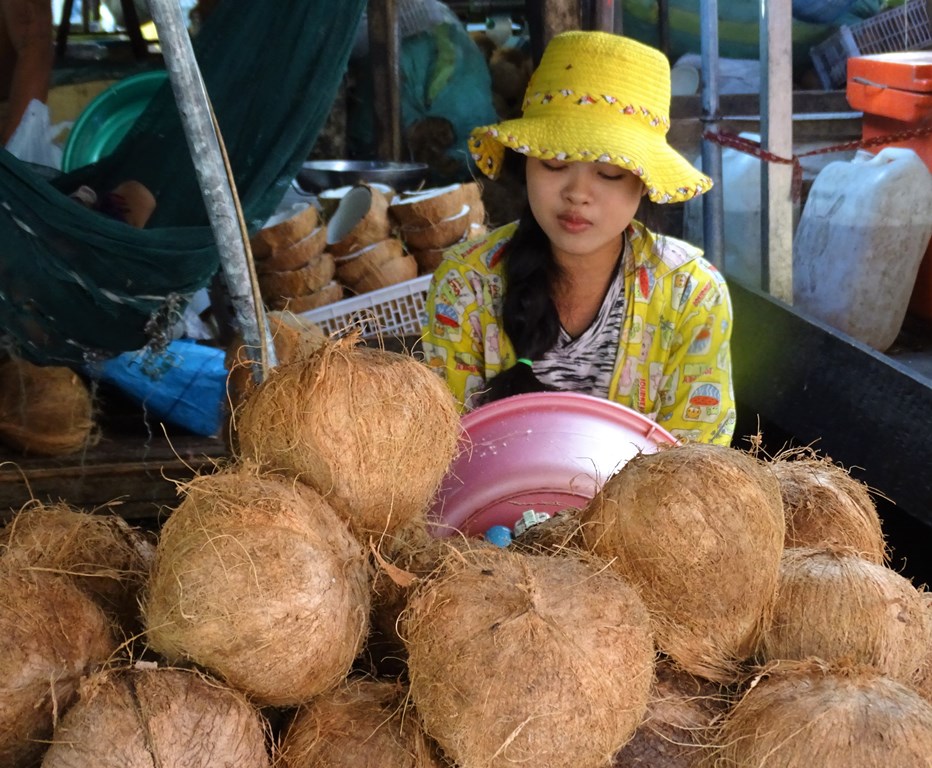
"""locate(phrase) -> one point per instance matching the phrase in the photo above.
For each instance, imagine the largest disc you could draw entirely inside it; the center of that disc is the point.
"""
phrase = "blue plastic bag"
(185, 385)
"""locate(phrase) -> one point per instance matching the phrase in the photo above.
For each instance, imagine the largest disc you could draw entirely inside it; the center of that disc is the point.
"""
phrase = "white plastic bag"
(34, 138)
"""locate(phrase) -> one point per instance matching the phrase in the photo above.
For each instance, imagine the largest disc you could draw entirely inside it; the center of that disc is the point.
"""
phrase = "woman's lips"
(573, 223)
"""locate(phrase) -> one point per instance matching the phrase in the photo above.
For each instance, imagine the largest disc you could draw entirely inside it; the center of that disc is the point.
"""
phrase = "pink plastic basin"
(545, 451)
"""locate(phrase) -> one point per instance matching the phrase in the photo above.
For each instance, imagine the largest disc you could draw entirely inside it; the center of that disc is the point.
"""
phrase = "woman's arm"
(697, 397)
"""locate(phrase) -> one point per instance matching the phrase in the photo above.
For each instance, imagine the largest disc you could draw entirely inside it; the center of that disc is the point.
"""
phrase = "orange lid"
(903, 70)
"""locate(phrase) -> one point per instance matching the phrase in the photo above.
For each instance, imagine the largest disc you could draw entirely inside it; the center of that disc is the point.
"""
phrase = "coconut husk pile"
(825, 506)
(372, 431)
(698, 530)
(45, 410)
(812, 713)
(432, 220)
(523, 659)
(361, 724)
(148, 716)
(293, 267)
(99, 552)
(51, 635)
(257, 580)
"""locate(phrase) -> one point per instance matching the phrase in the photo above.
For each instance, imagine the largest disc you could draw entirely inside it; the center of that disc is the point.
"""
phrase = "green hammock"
(77, 286)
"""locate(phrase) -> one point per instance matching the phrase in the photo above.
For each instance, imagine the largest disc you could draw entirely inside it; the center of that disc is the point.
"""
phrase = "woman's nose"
(577, 188)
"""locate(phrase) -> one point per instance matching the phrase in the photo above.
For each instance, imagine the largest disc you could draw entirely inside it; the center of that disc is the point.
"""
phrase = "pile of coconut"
(707, 607)
(293, 268)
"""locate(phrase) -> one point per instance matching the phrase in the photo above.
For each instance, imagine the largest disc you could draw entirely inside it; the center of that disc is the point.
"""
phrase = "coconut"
(293, 338)
(813, 714)
(390, 272)
(527, 660)
(361, 219)
(439, 235)
(257, 580)
(427, 207)
(836, 606)
(361, 724)
(296, 255)
(283, 229)
(698, 529)
(328, 294)
(678, 728)
(923, 680)
(298, 282)
(372, 431)
(51, 635)
(824, 505)
(44, 410)
(354, 266)
(139, 718)
(329, 199)
(428, 260)
(103, 555)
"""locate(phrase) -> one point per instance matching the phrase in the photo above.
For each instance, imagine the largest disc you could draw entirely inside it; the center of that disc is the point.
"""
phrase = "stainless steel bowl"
(318, 175)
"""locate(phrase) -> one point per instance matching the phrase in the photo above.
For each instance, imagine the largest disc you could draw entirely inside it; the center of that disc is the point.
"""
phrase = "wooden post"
(216, 186)
(385, 55)
(550, 18)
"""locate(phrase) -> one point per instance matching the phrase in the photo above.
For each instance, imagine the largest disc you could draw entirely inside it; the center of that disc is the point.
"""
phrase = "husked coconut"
(923, 680)
(45, 410)
(560, 534)
(427, 207)
(698, 529)
(806, 713)
(679, 727)
(158, 716)
(824, 505)
(360, 219)
(296, 255)
(51, 635)
(360, 724)
(390, 272)
(257, 580)
(527, 660)
(298, 282)
(373, 431)
(440, 234)
(284, 229)
(837, 606)
(327, 294)
(354, 266)
(101, 553)
(329, 199)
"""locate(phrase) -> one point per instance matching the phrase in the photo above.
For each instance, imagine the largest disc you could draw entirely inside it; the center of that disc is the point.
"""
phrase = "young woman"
(578, 294)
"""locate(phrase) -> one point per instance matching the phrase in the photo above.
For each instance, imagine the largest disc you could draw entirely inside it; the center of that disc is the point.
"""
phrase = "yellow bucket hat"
(597, 97)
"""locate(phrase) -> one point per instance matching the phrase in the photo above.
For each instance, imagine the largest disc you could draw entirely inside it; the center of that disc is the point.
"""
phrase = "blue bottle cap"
(499, 535)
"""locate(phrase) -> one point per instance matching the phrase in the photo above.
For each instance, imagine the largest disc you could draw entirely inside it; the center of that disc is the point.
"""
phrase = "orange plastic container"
(894, 91)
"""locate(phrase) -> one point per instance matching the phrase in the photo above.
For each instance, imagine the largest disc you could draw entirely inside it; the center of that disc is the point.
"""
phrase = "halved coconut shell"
(299, 282)
(283, 229)
(429, 206)
(331, 292)
(395, 270)
(353, 266)
(440, 235)
(428, 259)
(329, 199)
(360, 220)
(296, 255)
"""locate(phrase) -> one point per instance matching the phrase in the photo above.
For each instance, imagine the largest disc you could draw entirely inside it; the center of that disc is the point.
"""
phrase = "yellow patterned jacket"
(673, 362)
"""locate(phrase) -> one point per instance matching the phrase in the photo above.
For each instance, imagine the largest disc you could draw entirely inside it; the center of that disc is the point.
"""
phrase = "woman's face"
(582, 207)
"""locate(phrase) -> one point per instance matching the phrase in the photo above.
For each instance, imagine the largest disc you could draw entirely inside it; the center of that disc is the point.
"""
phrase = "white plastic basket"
(905, 28)
(398, 310)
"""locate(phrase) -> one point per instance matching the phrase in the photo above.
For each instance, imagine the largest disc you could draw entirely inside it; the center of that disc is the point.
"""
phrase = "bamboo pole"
(215, 181)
